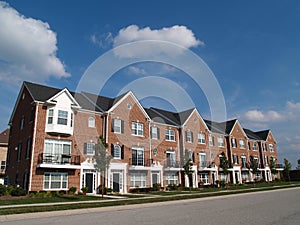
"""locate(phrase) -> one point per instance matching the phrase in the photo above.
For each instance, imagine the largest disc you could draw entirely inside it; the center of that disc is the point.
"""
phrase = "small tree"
(189, 172)
(273, 167)
(298, 167)
(102, 160)
(253, 167)
(287, 168)
(224, 165)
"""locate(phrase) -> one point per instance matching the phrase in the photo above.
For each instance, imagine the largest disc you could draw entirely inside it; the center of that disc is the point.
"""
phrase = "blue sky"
(252, 48)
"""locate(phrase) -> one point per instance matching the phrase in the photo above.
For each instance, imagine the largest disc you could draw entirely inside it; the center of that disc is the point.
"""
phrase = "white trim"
(33, 146)
(195, 110)
(75, 104)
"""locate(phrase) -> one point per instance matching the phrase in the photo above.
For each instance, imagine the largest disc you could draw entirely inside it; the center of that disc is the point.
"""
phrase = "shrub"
(172, 187)
(141, 190)
(18, 191)
(54, 193)
(72, 190)
(2, 190)
(32, 194)
(9, 190)
(156, 187)
(41, 194)
(62, 192)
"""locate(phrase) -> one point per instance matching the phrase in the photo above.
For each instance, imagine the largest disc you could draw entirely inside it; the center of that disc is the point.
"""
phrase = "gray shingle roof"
(250, 134)
(263, 134)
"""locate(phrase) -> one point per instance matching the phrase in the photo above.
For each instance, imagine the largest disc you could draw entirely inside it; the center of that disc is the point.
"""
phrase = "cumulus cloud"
(136, 70)
(259, 116)
(179, 35)
(27, 48)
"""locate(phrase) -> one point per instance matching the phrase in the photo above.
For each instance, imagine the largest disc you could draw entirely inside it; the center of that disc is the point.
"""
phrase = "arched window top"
(91, 122)
(117, 151)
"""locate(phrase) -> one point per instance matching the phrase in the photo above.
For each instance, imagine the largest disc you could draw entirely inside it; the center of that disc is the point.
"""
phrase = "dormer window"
(62, 118)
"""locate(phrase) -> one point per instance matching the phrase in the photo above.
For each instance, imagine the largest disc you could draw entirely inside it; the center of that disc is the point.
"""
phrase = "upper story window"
(118, 126)
(117, 152)
(91, 122)
(233, 142)
(57, 147)
(189, 136)
(264, 146)
(211, 140)
(235, 159)
(201, 138)
(19, 152)
(89, 148)
(137, 129)
(271, 147)
(170, 135)
(254, 146)
(242, 144)
(220, 142)
(155, 133)
(50, 116)
(22, 122)
(28, 148)
(62, 117)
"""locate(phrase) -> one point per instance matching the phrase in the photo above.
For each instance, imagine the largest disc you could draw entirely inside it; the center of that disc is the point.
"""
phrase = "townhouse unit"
(54, 134)
(3, 153)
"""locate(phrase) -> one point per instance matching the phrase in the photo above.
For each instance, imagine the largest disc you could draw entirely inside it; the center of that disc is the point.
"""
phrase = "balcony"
(279, 167)
(172, 164)
(140, 162)
(207, 165)
(58, 161)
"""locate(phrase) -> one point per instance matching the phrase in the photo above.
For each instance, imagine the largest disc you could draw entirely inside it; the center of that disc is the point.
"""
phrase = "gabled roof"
(263, 134)
(100, 102)
(252, 135)
(4, 136)
(216, 127)
(39, 92)
(168, 117)
(228, 125)
(184, 115)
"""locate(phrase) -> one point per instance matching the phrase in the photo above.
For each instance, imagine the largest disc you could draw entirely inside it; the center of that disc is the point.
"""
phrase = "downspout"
(33, 147)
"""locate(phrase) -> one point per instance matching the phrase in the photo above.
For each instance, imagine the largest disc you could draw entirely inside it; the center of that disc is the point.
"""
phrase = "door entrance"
(116, 185)
(154, 179)
(89, 182)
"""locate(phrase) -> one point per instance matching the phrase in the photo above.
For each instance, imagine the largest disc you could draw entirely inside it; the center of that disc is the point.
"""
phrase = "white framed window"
(171, 158)
(172, 178)
(211, 140)
(55, 181)
(235, 159)
(201, 138)
(89, 148)
(138, 179)
(118, 126)
(264, 146)
(244, 161)
(3, 166)
(28, 148)
(155, 133)
(202, 160)
(242, 143)
(62, 118)
(50, 116)
(189, 136)
(220, 142)
(137, 156)
(233, 142)
(170, 135)
(19, 152)
(91, 122)
(223, 176)
(266, 159)
(271, 147)
(137, 129)
(204, 177)
(54, 149)
(117, 151)
(254, 146)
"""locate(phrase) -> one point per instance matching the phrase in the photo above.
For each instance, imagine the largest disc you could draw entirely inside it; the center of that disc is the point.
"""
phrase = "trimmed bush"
(2, 190)
(72, 190)
(18, 191)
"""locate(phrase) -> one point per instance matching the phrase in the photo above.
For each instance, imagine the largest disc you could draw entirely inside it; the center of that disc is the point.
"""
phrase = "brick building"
(4, 135)
(54, 133)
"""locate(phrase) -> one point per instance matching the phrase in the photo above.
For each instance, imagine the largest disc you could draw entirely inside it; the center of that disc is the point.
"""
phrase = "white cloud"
(259, 116)
(102, 40)
(178, 35)
(27, 48)
(136, 70)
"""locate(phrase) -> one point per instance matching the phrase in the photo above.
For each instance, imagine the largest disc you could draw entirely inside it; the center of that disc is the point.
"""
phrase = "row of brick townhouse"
(53, 133)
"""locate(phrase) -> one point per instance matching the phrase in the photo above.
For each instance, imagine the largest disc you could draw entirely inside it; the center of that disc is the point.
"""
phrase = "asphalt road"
(273, 207)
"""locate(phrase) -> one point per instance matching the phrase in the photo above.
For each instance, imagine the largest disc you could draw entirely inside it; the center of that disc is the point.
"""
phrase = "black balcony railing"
(172, 163)
(58, 159)
(279, 166)
(206, 164)
(140, 162)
